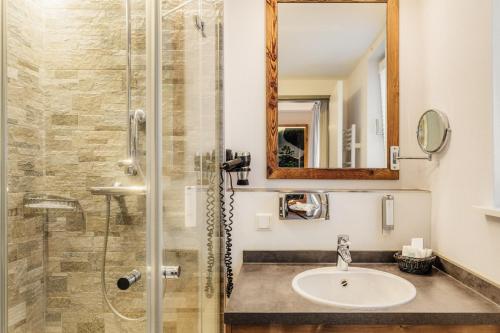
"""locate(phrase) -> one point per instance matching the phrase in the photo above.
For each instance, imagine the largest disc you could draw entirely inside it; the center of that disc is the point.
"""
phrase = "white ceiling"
(326, 39)
(296, 106)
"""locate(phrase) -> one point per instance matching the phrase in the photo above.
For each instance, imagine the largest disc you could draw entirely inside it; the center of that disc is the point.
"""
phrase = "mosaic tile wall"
(67, 130)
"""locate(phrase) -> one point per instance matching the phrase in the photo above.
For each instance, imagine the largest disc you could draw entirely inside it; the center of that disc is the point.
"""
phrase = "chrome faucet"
(343, 253)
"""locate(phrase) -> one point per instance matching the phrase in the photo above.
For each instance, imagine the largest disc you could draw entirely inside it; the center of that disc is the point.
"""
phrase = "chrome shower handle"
(131, 164)
(136, 118)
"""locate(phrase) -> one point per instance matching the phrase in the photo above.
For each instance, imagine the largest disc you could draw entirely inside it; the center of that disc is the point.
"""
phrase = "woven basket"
(419, 266)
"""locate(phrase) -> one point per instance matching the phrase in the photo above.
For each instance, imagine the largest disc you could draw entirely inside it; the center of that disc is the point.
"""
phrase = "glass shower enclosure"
(110, 141)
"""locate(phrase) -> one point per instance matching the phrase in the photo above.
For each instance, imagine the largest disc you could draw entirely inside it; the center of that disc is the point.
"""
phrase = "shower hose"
(103, 267)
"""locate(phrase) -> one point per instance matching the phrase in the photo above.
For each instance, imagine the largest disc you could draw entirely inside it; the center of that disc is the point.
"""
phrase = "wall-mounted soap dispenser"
(388, 212)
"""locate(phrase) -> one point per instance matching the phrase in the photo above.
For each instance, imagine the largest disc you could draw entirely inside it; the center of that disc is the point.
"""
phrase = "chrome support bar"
(3, 168)
(154, 171)
(128, 27)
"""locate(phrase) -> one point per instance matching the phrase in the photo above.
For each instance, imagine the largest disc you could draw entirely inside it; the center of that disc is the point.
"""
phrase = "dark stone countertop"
(263, 295)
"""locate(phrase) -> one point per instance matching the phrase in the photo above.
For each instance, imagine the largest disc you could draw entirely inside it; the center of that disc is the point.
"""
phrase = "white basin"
(357, 288)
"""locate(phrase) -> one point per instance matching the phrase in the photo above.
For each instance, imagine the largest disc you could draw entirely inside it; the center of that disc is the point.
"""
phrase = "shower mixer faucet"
(131, 164)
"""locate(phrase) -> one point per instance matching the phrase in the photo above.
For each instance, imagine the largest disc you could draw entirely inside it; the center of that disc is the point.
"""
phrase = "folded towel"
(412, 252)
(409, 251)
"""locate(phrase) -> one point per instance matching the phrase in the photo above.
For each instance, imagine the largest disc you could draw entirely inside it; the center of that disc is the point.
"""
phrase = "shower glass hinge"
(200, 25)
(396, 157)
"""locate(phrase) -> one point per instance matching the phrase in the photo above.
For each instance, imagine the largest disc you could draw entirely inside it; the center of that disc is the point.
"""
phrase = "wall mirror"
(433, 131)
(332, 89)
(433, 134)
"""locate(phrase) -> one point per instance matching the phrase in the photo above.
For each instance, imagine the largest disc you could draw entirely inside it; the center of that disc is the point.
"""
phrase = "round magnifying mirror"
(433, 131)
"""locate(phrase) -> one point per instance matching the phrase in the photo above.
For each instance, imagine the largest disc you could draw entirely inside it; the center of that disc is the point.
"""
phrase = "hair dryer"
(240, 164)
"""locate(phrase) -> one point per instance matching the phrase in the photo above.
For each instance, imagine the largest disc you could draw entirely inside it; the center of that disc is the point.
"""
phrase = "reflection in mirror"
(332, 85)
(293, 146)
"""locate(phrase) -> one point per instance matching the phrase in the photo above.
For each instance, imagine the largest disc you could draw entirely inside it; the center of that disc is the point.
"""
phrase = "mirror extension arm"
(395, 158)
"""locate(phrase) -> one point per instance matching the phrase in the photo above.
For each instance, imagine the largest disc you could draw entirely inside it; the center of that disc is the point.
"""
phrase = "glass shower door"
(191, 140)
(68, 105)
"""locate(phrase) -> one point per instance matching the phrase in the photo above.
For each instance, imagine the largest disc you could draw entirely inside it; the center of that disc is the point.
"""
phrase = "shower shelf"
(43, 201)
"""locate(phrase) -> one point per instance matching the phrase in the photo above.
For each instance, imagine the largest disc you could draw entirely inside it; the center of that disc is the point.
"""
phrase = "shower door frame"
(3, 170)
(154, 205)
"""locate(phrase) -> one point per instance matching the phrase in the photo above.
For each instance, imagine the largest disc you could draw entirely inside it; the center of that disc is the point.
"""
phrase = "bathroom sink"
(357, 288)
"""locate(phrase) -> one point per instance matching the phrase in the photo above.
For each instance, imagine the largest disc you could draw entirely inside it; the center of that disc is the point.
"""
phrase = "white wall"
(446, 63)
(306, 87)
(336, 126)
(363, 105)
(245, 125)
(245, 129)
(412, 217)
(456, 64)
(496, 92)
(245, 99)
(376, 144)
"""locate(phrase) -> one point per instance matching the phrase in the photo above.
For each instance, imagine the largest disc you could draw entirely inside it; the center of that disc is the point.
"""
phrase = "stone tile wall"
(86, 125)
(26, 166)
(67, 130)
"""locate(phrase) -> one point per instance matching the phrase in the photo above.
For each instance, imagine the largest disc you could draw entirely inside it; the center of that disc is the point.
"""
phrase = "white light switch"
(263, 221)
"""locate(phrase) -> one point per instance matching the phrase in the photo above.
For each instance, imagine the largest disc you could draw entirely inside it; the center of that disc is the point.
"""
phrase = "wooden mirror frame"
(275, 172)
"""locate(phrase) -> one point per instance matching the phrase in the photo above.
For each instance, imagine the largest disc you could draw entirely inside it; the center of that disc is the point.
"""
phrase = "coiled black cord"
(227, 227)
(228, 258)
(210, 215)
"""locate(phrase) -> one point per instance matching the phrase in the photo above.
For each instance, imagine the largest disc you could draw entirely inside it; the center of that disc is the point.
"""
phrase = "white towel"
(412, 252)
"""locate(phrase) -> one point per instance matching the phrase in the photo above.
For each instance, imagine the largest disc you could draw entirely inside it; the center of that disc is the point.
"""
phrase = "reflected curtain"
(324, 134)
(320, 136)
